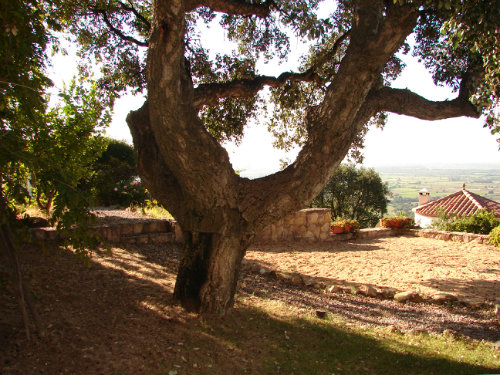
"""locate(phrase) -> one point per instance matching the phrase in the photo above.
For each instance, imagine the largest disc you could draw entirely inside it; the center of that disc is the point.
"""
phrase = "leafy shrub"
(495, 236)
(129, 193)
(354, 192)
(482, 222)
(397, 222)
(116, 168)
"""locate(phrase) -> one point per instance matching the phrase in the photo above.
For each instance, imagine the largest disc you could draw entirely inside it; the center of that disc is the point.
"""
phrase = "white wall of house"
(423, 221)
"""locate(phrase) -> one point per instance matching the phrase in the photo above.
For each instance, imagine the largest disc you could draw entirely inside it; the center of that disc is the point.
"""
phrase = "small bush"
(495, 236)
(129, 193)
(482, 222)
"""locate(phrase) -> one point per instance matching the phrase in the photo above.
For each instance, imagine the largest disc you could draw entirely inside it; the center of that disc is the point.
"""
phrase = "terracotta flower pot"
(336, 229)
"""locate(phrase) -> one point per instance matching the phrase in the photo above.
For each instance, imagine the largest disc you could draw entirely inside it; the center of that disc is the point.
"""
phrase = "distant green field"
(405, 183)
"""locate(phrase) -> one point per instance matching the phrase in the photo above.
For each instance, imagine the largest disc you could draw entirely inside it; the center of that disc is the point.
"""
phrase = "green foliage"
(453, 38)
(482, 222)
(50, 148)
(68, 141)
(153, 209)
(355, 193)
(56, 158)
(494, 238)
(118, 150)
(23, 42)
(116, 168)
(456, 39)
(119, 53)
(127, 193)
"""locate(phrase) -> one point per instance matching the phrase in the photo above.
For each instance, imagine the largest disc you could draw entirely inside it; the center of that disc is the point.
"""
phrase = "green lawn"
(271, 337)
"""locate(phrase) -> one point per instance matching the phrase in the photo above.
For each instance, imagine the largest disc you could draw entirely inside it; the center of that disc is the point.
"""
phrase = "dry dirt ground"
(116, 316)
(427, 266)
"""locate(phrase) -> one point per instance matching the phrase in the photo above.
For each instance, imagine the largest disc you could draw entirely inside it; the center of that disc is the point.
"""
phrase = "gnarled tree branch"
(235, 7)
(406, 102)
(208, 93)
(137, 14)
(118, 32)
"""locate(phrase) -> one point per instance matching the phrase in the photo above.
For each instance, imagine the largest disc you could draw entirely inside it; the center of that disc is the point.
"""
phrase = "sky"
(404, 141)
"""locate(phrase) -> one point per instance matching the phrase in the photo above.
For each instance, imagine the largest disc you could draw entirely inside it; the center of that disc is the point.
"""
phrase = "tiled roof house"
(461, 203)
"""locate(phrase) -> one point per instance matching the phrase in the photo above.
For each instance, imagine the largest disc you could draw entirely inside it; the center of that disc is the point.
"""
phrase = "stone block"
(52, 235)
(142, 239)
(443, 297)
(403, 297)
(138, 228)
(104, 233)
(326, 217)
(309, 236)
(299, 220)
(115, 234)
(444, 236)
(287, 234)
(127, 229)
(276, 232)
(146, 227)
(367, 290)
(324, 236)
(466, 237)
(38, 234)
(312, 218)
(297, 280)
(475, 303)
(325, 228)
(163, 226)
(316, 231)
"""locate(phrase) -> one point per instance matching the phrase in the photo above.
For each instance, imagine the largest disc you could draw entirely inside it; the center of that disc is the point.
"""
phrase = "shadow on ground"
(117, 317)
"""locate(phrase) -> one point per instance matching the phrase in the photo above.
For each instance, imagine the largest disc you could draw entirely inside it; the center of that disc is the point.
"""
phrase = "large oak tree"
(195, 101)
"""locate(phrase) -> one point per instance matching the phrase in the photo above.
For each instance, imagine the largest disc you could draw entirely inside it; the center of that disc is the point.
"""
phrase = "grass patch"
(156, 212)
(271, 337)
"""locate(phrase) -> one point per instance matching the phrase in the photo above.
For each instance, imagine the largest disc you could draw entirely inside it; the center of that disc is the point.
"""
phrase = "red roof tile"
(461, 203)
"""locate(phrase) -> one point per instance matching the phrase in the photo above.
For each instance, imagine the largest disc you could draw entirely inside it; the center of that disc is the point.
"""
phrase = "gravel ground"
(478, 324)
(106, 215)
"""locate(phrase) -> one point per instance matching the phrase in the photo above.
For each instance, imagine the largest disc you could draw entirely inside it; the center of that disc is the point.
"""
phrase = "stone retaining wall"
(445, 236)
(308, 225)
(312, 224)
(143, 231)
(371, 233)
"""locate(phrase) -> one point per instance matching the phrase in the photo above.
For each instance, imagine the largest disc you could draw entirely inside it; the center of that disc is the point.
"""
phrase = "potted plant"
(337, 226)
(352, 225)
(341, 225)
(397, 222)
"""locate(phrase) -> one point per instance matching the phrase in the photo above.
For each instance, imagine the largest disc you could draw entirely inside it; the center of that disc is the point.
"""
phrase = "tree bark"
(208, 272)
(8, 245)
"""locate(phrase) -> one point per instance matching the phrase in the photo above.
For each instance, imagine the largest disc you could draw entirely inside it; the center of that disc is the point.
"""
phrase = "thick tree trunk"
(188, 171)
(208, 273)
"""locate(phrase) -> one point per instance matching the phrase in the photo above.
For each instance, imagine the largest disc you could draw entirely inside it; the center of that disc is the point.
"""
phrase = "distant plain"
(406, 182)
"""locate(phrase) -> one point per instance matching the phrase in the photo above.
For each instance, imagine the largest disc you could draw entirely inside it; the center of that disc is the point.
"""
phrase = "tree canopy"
(455, 39)
(355, 193)
(47, 146)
